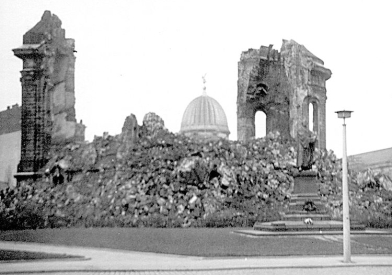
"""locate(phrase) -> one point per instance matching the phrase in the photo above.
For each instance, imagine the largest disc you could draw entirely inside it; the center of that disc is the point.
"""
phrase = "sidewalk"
(125, 262)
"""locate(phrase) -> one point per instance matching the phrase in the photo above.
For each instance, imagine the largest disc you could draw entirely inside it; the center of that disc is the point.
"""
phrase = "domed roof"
(204, 114)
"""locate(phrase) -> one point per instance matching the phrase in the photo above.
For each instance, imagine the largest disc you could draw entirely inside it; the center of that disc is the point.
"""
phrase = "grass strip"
(208, 242)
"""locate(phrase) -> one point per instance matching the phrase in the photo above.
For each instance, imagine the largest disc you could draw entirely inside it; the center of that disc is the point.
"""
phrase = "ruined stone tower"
(282, 85)
(48, 96)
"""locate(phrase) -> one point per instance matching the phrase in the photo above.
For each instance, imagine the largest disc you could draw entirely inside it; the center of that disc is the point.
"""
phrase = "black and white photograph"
(195, 137)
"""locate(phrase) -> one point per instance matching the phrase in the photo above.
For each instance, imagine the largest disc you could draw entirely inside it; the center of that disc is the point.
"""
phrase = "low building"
(10, 144)
(379, 161)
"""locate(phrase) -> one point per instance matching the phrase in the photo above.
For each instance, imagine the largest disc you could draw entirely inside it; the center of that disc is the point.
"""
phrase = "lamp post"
(346, 213)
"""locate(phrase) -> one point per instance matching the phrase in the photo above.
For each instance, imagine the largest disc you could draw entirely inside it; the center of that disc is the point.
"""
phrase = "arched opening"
(310, 114)
(311, 117)
(261, 124)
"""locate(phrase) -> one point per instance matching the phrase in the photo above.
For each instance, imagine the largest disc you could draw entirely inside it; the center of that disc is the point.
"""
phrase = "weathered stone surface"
(63, 129)
(153, 123)
(89, 155)
(282, 85)
(129, 135)
(48, 96)
(58, 98)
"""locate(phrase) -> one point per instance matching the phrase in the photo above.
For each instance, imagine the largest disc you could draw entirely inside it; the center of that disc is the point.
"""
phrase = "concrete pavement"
(109, 261)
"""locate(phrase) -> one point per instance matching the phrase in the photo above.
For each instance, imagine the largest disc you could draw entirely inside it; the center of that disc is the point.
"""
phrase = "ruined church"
(48, 116)
(282, 84)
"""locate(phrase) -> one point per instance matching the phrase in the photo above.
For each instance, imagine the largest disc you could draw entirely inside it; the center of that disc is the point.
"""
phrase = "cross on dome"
(204, 85)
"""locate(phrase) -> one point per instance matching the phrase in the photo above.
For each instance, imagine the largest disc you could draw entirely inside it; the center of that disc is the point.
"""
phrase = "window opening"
(260, 124)
(311, 117)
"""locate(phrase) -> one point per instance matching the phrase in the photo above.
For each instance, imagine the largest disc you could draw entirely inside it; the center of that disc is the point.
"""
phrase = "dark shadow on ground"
(14, 255)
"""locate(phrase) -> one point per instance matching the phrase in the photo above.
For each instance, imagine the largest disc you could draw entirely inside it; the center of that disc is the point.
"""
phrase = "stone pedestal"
(305, 203)
(306, 182)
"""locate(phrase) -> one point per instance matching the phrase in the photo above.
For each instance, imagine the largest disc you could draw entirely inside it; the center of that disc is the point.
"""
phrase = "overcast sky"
(150, 56)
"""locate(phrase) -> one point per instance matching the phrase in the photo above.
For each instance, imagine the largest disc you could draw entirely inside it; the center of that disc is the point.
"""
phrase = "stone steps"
(300, 207)
(314, 195)
(301, 226)
(302, 202)
(302, 212)
(296, 208)
(305, 190)
(305, 197)
(297, 202)
(303, 216)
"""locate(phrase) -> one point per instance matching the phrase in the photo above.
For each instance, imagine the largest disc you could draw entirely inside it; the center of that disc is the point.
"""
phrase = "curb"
(78, 271)
(260, 233)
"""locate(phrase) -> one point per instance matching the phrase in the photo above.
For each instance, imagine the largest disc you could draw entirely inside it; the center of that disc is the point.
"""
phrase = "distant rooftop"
(375, 159)
(10, 119)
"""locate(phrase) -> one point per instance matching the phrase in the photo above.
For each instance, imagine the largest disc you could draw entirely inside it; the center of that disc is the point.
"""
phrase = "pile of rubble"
(370, 192)
(147, 176)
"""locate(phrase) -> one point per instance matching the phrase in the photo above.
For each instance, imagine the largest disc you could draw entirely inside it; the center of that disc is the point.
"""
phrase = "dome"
(204, 116)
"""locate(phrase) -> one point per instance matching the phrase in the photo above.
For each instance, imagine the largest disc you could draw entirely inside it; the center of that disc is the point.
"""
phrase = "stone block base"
(305, 203)
(301, 226)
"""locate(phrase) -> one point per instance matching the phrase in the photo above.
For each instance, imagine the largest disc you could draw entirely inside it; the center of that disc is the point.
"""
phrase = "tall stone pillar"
(322, 122)
(245, 122)
(36, 123)
(48, 96)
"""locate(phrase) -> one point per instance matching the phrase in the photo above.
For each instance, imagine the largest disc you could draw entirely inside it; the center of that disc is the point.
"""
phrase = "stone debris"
(370, 192)
(148, 176)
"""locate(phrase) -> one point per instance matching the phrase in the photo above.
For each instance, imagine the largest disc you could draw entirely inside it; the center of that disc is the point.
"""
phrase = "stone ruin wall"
(48, 92)
(282, 85)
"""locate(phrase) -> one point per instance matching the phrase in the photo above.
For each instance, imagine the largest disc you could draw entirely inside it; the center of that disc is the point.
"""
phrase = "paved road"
(109, 261)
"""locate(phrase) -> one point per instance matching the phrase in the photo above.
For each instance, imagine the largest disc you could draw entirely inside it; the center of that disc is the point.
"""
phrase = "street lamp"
(346, 213)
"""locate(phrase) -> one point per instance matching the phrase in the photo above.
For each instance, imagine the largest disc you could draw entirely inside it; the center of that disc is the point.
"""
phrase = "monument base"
(306, 210)
(320, 226)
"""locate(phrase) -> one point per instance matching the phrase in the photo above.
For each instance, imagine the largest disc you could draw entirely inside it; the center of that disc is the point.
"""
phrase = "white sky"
(149, 56)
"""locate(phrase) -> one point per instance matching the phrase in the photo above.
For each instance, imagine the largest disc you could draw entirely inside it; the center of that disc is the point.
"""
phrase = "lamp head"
(344, 114)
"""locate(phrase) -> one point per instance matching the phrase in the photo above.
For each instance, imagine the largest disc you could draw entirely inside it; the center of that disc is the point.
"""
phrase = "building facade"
(378, 161)
(10, 145)
(282, 85)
